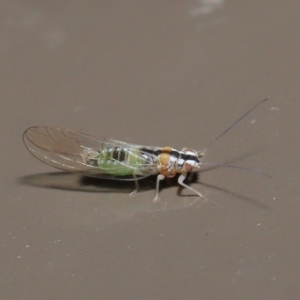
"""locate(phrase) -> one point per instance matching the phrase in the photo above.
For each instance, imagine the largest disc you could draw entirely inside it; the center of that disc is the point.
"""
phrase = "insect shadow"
(73, 181)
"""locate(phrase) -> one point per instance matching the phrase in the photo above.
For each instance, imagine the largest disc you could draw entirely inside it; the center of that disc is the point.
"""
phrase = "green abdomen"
(120, 161)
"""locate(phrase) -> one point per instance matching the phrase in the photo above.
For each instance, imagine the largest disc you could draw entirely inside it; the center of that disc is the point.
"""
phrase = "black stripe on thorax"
(190, 157)
(175, 153)
(148, 150)
(186, 157)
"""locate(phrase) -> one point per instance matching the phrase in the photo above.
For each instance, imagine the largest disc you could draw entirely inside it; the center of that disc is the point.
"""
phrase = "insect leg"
(181, 178)
(159, 178)
(136, 185)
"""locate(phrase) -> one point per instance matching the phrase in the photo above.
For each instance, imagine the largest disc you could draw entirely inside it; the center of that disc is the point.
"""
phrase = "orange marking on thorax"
(166, 149)
(164, 162)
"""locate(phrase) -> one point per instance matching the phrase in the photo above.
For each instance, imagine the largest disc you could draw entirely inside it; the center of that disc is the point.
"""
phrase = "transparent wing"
(63, 149)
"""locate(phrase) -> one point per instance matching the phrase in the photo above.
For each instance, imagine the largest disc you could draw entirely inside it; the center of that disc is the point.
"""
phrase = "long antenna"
(238, 120)
(236, 167)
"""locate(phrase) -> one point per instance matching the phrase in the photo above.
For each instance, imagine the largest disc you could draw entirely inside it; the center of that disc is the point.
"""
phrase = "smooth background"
(161, 73)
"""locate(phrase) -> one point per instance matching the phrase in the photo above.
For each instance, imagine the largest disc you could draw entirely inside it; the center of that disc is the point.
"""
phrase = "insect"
(111, 159)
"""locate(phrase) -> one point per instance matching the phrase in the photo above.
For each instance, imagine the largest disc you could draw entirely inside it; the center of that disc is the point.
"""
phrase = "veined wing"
(64, 149)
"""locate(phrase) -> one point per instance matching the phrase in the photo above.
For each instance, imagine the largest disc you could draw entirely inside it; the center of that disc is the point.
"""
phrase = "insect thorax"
(172, 161)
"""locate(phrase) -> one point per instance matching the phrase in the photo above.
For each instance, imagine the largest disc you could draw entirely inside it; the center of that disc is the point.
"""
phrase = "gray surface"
(160, 73)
